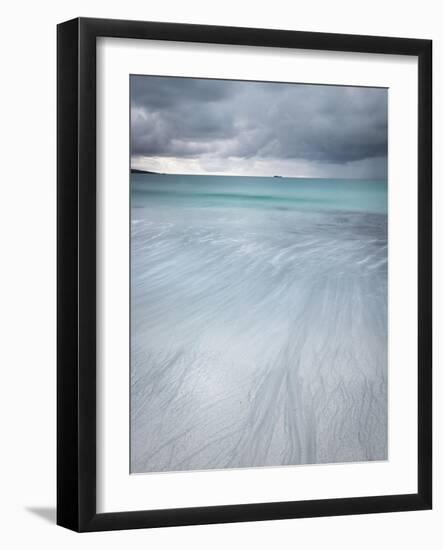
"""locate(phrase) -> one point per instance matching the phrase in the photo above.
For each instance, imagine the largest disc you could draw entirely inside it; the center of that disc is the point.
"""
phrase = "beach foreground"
(258, 322)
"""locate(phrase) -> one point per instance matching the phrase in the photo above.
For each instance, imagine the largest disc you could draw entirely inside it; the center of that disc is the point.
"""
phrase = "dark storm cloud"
(187, 118)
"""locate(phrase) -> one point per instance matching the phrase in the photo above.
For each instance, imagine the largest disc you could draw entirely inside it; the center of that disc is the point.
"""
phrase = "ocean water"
(258, 322)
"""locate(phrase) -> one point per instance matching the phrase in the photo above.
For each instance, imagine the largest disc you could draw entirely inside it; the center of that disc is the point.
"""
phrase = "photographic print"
(259, 261)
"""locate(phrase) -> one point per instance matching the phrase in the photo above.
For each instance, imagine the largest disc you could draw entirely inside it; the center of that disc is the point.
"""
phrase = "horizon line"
(276, 176)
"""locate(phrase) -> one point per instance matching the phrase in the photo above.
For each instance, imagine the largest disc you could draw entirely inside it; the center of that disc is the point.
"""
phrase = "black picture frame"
(76, 281)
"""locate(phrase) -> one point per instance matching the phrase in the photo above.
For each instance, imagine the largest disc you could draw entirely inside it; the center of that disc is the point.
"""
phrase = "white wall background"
(27, 274)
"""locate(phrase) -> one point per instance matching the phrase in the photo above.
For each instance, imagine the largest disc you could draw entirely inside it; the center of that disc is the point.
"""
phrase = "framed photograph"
(244, 274)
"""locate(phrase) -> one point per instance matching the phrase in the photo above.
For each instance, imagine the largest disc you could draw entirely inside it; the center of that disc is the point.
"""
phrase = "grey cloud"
(215, 119)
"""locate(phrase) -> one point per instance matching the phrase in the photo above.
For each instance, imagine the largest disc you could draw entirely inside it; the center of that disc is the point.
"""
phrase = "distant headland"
(137, 171)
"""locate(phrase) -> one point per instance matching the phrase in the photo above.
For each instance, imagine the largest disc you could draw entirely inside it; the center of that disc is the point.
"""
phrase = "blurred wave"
(258, 322)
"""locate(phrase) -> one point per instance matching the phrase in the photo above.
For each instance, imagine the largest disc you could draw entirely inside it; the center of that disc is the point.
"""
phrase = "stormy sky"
(202, 126)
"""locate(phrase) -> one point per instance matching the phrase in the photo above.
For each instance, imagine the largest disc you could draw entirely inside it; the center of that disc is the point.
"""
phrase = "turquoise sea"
(252, 192)
(258, 321)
